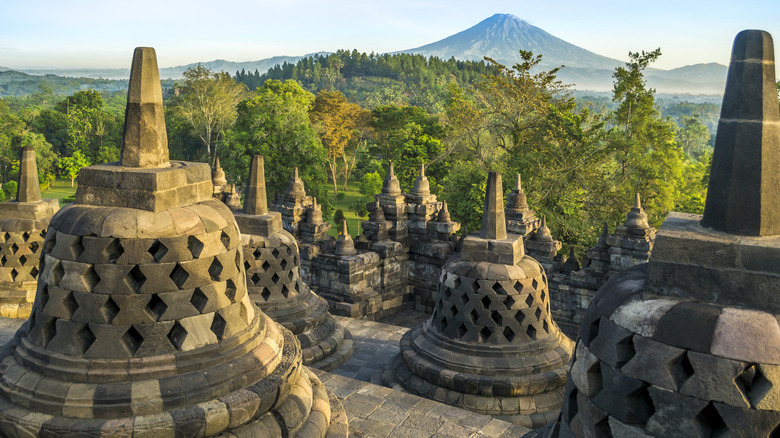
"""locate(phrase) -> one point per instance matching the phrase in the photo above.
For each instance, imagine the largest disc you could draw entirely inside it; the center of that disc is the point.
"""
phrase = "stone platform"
(376, 411)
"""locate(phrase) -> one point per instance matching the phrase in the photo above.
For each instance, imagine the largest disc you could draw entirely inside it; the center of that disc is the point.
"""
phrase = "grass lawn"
(345, 204)
(60, 189)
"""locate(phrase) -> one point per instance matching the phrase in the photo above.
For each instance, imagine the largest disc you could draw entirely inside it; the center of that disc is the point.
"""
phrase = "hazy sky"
(103, 33)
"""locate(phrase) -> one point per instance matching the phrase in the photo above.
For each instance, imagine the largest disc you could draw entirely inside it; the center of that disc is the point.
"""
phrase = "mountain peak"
(502, 36)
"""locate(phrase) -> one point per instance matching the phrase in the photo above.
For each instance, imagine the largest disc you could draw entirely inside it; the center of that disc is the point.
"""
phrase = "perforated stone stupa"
(272, 263)
(490, 345)
(688, 345)
(142, 325)
(23, 224)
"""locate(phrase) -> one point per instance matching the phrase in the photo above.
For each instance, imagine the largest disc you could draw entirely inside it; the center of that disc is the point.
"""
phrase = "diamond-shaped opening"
(290, 275)
(25, 236)
(84, 338)
(230, 290)
(218, 325)
(275, 253)
(195, 246)
(179, 275)
(42, 297)
(265, 265)
(275, 278)
(519, 317)
(113, 251)
(486, 302)
(3, 260)
(531, 331)
(709, 420)
(48, 330)
(456, 282)
(136, 278)
(754, 384)
(624, 350)
(474, 315)
(593, 374)
(542, 295)
(497, 318)
(177, 335)
(6, 237)
(529, 300)
(132, 339)
(535, 284)
(77, 247)
(258, 253)
(247, 266)
(446, 292)
(475, 285)
(14, 248)
(14, 274)
(283, 263)
(289, 250)
(23, 260)
(680, 368)
(158, 250)
(498, 289)
(545, 327)
(462, 330)
(90, 278)
(34, 247)
(508, 302)
(70, 304)
(156, 306)
(225, 239)
(295, 260)
(238, 260)
(255, 279)
(285, 291)
(538, 313)
(199, 300)
(602, 428)
(509, 335)
(593, 332)
(266, 293)
(485, 333)
(109, 310)
(442, 323)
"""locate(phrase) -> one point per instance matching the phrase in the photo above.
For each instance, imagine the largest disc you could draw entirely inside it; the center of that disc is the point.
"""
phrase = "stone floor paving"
(375, 411)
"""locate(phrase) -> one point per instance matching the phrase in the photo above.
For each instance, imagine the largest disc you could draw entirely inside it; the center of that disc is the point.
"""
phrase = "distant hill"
(170, 72)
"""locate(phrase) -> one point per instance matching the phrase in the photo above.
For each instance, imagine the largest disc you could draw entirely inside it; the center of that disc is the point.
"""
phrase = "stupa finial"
(255, 201)
(493, 218)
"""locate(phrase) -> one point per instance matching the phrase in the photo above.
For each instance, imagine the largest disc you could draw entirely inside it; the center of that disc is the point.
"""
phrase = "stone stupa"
(688, 345)
(23, 224)
(142, 325)
(272, 263)
(490, 345)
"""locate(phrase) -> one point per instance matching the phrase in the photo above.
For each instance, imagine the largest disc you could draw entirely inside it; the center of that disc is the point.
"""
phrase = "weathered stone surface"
(28, 190)
(493, 220)
(678, 415)
(145, 142)
(659, 364)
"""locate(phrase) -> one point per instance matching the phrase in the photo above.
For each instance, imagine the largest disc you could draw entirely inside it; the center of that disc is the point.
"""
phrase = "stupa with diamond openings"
(490, 345)
(142, 325)
(688, 345)
(272, 263)
(23, 224)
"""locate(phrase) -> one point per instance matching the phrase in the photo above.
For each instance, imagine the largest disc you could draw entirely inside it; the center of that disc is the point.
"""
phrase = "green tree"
(72, 165)
(693, 137)
(274, 122)
(207, 102)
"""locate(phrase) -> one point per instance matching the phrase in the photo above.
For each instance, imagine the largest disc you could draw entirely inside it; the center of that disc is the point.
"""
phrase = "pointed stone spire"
(493, 219)
(744, 187)
(28, 190)
(344, 244)
(637, 218)
(444, 213)
(421, 185)
(145, 142)
(543, 233)
(315, 214)
(218, 174)
(391, 186)
(295, 187)
(255, 201)
(516, 201)
(377, 214)
(233, 199)
(572, 263)
(602, 241)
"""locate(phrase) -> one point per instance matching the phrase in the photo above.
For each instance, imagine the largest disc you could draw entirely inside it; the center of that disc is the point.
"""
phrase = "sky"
(103, 33)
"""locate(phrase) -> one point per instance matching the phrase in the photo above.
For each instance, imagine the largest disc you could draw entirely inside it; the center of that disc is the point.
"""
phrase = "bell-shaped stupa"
(490, 345)
(688, 345)
(272, 263)
(142, 325)
(23, 224)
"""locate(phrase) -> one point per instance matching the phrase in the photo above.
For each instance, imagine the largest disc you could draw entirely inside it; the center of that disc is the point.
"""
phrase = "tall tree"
(207, 102)
(337, 121)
